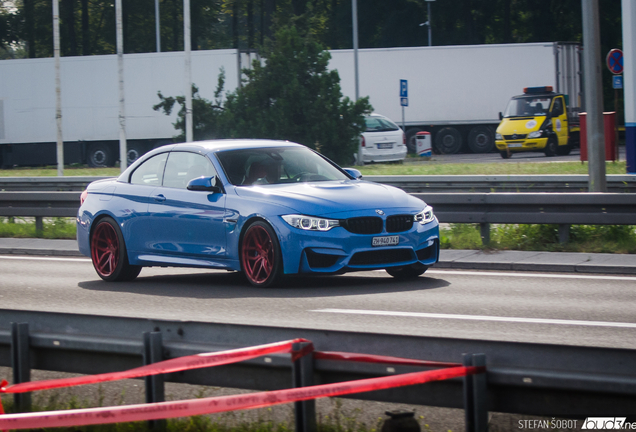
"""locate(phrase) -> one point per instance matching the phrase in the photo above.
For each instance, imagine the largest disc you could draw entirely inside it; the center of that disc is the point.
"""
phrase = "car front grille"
(363, 225)
(515, 137)
(384, 256)
(399, 223)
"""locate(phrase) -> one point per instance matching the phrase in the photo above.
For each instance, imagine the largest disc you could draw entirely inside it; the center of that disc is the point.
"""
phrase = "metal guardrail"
(524, 378)
(503, 183)
(46, 183)
(415, 183)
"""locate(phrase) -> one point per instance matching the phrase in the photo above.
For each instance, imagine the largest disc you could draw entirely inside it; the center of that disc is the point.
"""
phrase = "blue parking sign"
(617, 81)
(404, 89)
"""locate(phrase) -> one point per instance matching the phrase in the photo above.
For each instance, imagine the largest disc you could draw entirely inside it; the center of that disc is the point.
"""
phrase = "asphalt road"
(554, 308)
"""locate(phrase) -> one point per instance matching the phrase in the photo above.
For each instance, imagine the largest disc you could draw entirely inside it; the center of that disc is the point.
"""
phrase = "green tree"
(293, 96)
(205, 113)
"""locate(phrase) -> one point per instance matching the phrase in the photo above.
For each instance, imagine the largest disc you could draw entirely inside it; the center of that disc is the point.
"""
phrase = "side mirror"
(206, 184)
(500, 116)
(353, 173)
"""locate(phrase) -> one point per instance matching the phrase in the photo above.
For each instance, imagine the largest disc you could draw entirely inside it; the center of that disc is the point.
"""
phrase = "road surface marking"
(478, 318)
(529, 275)
(44, 258)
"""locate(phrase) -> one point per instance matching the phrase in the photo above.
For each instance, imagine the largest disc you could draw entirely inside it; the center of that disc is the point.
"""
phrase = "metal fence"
(524, 378)
(410, 183)
(482, 208)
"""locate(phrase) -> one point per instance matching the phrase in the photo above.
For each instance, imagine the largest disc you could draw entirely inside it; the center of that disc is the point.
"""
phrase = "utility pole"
(58, 88)
(157, 26)
(188, 71)
(593, 96)
(354, 17)
(123, 149)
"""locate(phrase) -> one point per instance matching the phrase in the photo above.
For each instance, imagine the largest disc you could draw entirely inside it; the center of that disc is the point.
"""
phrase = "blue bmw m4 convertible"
(264, 208)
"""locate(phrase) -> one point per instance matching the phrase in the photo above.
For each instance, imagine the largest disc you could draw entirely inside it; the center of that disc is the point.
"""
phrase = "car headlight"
(425, 216)
(535, 134)
(498, 137)
(311, 223)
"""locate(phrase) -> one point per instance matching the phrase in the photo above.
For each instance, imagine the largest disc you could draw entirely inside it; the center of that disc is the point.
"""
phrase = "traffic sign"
(617, 82)
(404, 88)
(615, 61)
(404, 101)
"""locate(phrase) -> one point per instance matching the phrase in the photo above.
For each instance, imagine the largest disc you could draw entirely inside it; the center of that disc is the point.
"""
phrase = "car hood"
(332, 197)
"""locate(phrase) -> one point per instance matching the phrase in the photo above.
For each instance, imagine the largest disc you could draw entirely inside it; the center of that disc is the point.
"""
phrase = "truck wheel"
(99, 156)
(551, 147)
(448, 141)
(133, 152)
(410, 139)
(564, 150)
(481, 139)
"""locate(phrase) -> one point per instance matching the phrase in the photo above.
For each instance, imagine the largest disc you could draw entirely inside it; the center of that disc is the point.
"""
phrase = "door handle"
(159, 198)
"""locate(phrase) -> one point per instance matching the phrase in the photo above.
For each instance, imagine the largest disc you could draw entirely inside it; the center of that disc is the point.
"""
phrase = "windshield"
(379, 124)
(258, 166)
(528, 106)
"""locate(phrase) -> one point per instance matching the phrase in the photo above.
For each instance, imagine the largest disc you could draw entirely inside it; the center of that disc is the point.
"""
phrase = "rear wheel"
(261, 258)
(481, 139)
(108, 253)
(99, 156)
(407, 272)
(448, 140)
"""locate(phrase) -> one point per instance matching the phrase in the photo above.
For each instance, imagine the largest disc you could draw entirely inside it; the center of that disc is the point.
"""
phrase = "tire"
(564, 150)
(261, 258)
(505, 154)
(411, 145)
(448, 141)
(108, 253)
(551, 147)
(481, 139)
(133, 152)
(99, 156)
(407, 272)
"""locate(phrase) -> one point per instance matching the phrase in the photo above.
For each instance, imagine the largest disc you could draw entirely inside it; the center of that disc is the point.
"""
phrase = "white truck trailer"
(454, 92)
(457, 92)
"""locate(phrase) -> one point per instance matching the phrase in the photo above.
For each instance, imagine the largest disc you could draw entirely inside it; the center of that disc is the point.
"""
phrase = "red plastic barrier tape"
(196, 361)
(370, 358)
(213, 405)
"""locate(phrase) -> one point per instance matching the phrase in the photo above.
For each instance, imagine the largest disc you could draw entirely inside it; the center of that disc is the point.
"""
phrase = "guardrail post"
(303, 376)
(39, 226)
(20, 362)
(484, 232)
(564, 233)
(475, 396)
(153, 353)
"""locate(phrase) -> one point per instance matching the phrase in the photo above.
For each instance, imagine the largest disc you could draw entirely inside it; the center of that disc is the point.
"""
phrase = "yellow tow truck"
(537, 120)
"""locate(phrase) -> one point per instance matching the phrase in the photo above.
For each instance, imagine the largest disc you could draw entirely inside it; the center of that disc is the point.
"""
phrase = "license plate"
(385, 241)
(385, 145)
(515, 145)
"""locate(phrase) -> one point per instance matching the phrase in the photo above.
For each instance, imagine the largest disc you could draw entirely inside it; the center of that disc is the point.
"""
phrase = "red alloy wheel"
(258, 254)
(105, 249)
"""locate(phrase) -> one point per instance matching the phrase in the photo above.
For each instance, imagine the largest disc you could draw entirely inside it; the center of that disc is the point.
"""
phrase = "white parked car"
(383, 140)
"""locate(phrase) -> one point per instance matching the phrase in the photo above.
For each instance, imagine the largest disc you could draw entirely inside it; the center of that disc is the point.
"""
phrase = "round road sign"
(615, 61)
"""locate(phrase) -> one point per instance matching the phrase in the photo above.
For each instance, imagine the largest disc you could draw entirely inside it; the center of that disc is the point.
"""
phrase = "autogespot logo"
(608, 423)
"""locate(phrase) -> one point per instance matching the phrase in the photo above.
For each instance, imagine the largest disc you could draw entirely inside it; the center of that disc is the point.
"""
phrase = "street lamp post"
(429, 22)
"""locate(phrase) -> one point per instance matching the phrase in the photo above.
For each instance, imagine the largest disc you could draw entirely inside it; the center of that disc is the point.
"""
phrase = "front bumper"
(521, 145)
(339, 251)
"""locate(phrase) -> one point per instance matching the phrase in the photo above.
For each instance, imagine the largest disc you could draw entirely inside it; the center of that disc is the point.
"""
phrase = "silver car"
(383, 140)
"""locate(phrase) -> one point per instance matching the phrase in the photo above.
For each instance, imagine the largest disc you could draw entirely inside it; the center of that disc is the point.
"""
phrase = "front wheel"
(551, 147)
(108, 253)
(261, 258)
(407, 272)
